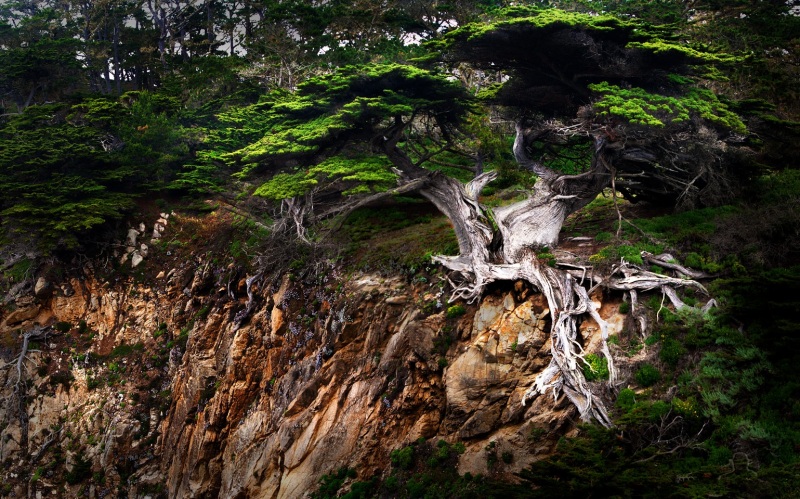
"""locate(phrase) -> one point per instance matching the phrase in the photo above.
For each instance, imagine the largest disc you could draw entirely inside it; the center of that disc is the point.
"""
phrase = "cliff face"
(198, 382)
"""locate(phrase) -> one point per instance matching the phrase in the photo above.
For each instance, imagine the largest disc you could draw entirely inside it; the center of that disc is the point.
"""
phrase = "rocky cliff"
(191, 378)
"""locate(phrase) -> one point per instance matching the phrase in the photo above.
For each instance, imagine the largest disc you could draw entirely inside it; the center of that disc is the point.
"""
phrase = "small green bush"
(603, 237)
(548, 258)
(329, 485)
(626, 399)
(121, 350)
(671, 352)
(391, 483)
(402, 458)
(595, 368)
(648, 375)
(624, 307)
(456, 310)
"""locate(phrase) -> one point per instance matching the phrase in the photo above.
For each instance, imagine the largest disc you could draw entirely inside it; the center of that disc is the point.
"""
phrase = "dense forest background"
(272, 109)
(103, 101)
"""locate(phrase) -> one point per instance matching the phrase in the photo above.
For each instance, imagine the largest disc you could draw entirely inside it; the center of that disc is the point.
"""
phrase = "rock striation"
(206, 382)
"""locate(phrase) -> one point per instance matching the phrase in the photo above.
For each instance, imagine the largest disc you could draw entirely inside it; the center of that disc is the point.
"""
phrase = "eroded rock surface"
(181, 389)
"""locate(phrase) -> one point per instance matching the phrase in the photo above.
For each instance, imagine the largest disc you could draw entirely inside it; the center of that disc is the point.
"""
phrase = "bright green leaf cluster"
(667, 48)
(638, 106)
(347, 104)
(360, 174)
(543, 19)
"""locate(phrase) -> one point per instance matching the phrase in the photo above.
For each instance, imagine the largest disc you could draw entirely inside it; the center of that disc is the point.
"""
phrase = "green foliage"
(456, 310)
(647, 375)
(669, 49)
(124, 350)
(68, 169)
(432, 473)
(631, 253)
(329, 485)
(354, 175)
(329, 110)
(41, 69)
(603, 237)
(64, 379)
(671, 352)
(638, 106)
(54, 183)
(156, 144)
(402, 458)
(595, 367)
(626, 399)
(779, 187)
(400, 238)
(687, 225)
(534, 18)
(547, 257)
(62, 326)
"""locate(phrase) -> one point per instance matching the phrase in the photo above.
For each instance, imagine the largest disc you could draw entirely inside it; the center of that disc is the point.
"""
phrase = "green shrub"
(719, 455)
(630, 253)
(624, 307)
(626, 399)
(671, 351)
(402, 458)
(123, 350)
(648, 375)
(361, 490)
(547, 257)
(491, 454)
(595, 368)
(391, 483)
(456, 310)
(603, 237)
(64, 378)
(330, 484)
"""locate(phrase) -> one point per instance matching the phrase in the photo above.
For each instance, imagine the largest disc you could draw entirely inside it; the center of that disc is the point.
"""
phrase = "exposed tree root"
(501, 246)
(20, 391)
(568, 302)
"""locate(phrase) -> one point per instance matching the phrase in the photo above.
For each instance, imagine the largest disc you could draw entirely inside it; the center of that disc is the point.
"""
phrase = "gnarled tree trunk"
(523, 229)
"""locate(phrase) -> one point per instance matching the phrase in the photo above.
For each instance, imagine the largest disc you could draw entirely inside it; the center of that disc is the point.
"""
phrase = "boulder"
(22, 314)
(136, 259)
(132, 235)
(42, 289)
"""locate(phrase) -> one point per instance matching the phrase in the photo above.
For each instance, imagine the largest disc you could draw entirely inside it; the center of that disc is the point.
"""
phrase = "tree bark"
(522, 229)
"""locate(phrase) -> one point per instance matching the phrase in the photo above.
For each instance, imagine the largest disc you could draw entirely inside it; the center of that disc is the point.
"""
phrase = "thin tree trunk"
(117, 68)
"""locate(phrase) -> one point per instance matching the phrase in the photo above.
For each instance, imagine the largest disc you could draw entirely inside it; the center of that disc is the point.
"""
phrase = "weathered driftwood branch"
(668, 262)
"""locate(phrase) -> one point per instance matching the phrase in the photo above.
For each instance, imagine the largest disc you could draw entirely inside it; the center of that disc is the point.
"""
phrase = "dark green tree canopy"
(572, 74)
(354, 109)
(553, 57)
